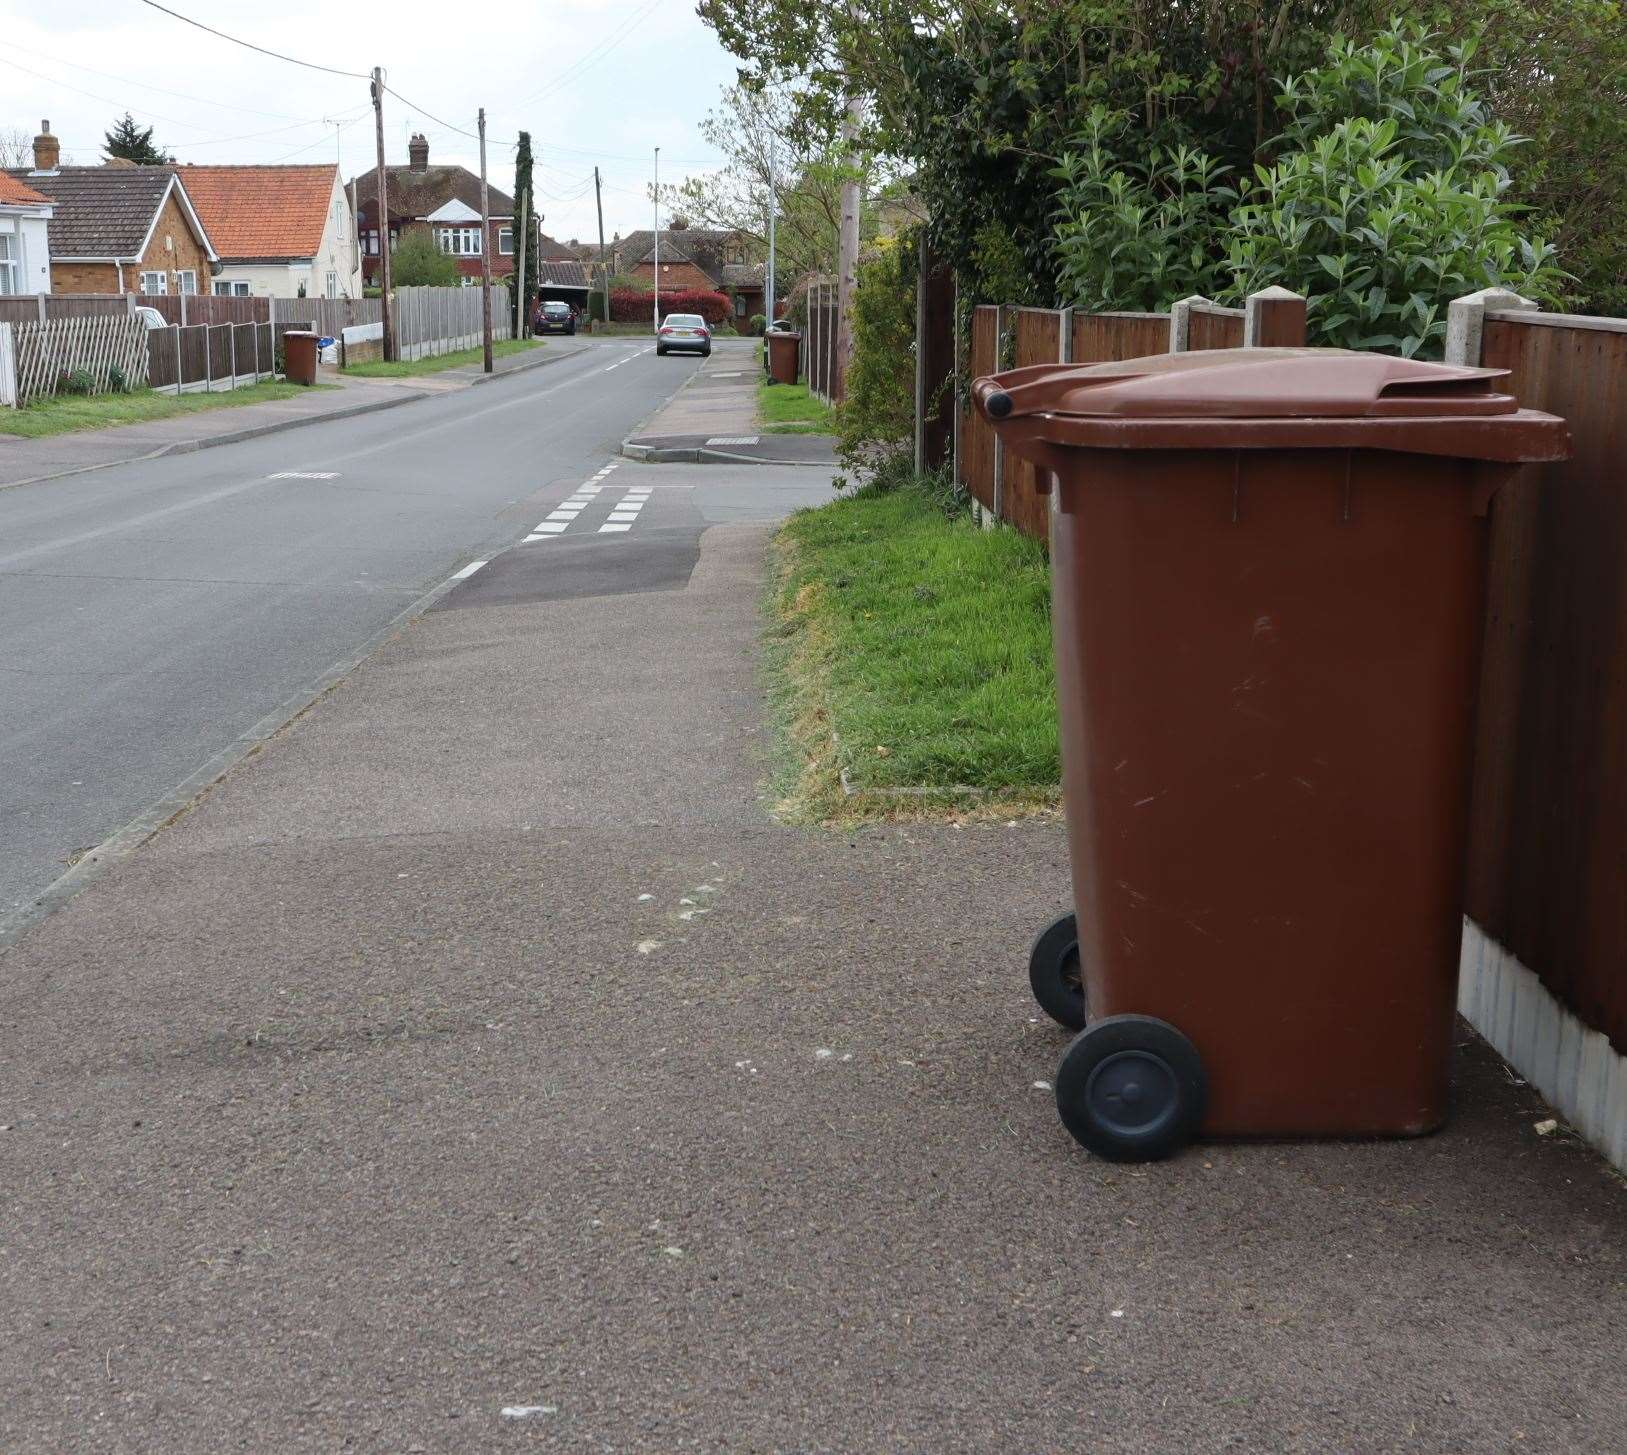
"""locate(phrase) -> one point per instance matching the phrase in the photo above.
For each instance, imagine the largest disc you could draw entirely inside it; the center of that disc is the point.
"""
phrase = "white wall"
(336, 252)
(32, 249)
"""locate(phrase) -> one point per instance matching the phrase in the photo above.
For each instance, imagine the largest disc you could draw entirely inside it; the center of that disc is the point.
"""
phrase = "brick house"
(445, 202)
(119, 228)
(691, 257)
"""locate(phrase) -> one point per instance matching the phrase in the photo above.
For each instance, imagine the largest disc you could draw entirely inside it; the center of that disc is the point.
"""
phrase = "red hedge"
(635, 305)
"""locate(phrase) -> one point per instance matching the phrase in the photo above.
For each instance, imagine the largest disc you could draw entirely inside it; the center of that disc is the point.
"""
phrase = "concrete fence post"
(8, 367)
(1064, 335)
(1180, 322)
(1274, 318)
(1466, 321)
(39, 305)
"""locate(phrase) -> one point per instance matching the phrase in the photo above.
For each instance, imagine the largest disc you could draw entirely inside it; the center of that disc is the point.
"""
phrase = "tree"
(524, 289)
(759, 135)
(418, 262)
(16, 148)
(133, 144)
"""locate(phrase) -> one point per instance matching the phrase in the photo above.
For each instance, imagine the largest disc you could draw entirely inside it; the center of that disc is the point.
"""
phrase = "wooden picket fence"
(112, 350)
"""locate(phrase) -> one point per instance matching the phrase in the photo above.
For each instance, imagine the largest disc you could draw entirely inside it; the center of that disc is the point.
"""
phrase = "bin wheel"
(1131, 1088)
(1054, 973)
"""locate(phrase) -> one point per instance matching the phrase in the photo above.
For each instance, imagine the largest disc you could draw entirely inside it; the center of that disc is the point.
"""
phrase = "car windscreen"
(556, 308)
(686, 320)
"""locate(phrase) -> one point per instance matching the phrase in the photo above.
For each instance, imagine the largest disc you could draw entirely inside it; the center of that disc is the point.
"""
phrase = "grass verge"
(791, 409)
(910, 651)
(65, 413)
(405, 368)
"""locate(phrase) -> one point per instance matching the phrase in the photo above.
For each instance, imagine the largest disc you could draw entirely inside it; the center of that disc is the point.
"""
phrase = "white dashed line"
(468, 570)
(606, 529)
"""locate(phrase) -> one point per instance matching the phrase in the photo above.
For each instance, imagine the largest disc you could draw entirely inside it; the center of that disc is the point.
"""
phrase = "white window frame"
(370, 241)
(10, 263)
(332, 285)
(232, 288)
(186, 281)
(505, 241)
(162, 290)
(458, 242)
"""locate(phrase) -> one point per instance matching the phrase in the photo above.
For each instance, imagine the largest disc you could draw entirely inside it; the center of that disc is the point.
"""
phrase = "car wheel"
(660, 352)
(706, 353)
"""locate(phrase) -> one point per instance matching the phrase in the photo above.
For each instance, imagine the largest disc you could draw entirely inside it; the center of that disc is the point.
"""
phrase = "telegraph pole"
(847, 261)
(381, 195)
(604, 274)
(485, 250)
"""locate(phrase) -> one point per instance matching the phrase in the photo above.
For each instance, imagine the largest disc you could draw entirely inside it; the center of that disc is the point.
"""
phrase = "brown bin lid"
(1260, 398)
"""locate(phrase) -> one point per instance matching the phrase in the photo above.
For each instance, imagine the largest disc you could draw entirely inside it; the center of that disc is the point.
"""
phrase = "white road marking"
(607, 528)
(468, 570)
(733, 439)
(552, 527)
(304, 475)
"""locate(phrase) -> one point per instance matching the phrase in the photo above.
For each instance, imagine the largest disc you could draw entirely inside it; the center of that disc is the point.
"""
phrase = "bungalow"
(444, 201)
(281, 231)
(118, 228)
(25, 250)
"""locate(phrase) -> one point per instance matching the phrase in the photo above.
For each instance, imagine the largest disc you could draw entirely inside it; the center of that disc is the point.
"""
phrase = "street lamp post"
(656, 190)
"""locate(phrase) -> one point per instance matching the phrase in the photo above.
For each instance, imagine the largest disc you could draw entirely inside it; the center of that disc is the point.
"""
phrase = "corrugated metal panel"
(1548, 852)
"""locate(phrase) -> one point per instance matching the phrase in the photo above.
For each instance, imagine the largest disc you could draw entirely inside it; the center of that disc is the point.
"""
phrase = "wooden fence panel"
(1036, 339)
(167, 305)
(1549, 827)
(194, 345)
(163, 360)
(244, 339)
(1105, 338)
(112, 350)
(976, 437)
(220, 356)
(1214, 328)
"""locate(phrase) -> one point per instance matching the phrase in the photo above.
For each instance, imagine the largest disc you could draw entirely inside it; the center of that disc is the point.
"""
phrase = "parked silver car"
(687, 331)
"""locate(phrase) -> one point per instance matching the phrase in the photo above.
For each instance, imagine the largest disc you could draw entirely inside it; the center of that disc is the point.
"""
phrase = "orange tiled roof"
(14, 192)
(262, 212)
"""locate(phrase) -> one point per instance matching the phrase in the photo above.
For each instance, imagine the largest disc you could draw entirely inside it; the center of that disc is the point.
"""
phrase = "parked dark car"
(684, 331)
(555, 318)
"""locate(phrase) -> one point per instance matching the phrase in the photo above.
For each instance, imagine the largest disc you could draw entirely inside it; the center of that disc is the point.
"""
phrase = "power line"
(148, 86)
(275, 55)
(413, 106)
(591, 58)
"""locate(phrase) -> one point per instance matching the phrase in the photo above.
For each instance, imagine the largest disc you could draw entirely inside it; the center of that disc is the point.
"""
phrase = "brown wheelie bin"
(783, 360)
(1267, 580)
(299, 353)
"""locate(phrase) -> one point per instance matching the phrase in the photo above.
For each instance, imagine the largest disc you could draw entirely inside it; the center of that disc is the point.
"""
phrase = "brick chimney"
(47, 149)
(418, 152)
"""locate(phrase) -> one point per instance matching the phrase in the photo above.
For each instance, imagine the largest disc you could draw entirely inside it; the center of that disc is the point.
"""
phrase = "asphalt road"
(154, 612)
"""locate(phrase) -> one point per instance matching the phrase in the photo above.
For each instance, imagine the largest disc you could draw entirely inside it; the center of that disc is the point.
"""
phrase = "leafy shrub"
(635, 305)
(76, 381)
(759, 324)
(418, 262)
(596, 306)
(1137, 235)
(877, 415)
(117, 382)
(1389, 197)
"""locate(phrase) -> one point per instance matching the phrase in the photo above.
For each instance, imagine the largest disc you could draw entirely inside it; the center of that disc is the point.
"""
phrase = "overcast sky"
(594, 81)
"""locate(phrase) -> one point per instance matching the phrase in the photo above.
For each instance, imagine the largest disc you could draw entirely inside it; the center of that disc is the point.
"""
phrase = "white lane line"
(607, 527)
(467, 571)
(552, 527)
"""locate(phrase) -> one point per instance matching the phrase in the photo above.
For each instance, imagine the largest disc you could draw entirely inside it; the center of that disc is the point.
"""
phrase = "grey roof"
(562, 273)
(101, 212)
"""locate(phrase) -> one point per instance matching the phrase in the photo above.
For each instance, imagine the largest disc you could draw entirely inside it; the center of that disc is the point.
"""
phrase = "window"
(186, 281)
(333, 285)
(370, 242)
(8, 264)
(155, 283)
(739, 305)
(461, 242)
(505, 241)
(232, 288)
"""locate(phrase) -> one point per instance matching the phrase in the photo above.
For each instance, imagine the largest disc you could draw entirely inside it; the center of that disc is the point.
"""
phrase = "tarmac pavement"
(480, 1066)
